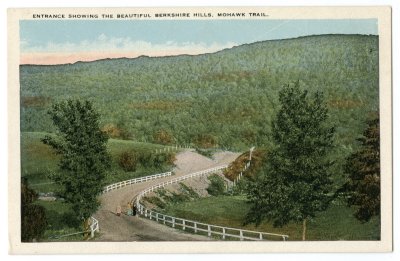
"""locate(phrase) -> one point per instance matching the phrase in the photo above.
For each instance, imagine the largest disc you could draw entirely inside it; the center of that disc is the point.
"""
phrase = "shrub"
(128, 160)
(205, 152)
(150, 160)
(163, 137)
(178, 198)
(217, 185)
(156, 201)
(33, 217)
(240, 187)
(188, 191)
(33, 222)
(119, 131)
(206, 141)
(170, 158)
(146, 159)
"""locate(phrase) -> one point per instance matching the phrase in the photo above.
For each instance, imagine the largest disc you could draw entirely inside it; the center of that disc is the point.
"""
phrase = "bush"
(33, 222)
(206, 141)
(170, 158)
(188, 191)
(146, 159)
(128, 160)
(33, 217)
(163, 137)
(156, 201)
(217, 185)
(119, 131)
(150, 160)
(240, 187)
(205, 152)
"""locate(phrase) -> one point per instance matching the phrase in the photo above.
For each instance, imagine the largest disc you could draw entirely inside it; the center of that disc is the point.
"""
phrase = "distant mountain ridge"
(226, 98)
(190, 55)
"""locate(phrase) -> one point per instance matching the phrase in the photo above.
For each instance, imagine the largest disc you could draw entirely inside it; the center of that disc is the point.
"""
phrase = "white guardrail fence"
(134, 181)
(210, 230)
(184, 224)
(94, 227)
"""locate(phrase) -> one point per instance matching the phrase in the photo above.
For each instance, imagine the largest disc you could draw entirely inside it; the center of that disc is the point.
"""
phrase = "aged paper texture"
(191, 91)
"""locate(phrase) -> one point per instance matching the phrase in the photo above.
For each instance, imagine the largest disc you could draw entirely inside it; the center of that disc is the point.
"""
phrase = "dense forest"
(224, 99)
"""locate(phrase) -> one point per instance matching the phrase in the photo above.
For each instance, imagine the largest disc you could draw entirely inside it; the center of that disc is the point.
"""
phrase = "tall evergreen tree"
(363, 170)
(84, 156)
(296, 181)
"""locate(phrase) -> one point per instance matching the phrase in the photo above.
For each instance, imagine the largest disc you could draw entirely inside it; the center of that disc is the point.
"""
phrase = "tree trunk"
(86, 228)
(304, 229)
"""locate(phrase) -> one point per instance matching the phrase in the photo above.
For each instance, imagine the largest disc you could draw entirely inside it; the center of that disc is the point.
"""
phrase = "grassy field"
(39, 160)
(61, 221)
(337, 223)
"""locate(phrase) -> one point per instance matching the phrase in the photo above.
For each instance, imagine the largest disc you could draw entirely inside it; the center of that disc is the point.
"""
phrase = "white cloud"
(103, 43)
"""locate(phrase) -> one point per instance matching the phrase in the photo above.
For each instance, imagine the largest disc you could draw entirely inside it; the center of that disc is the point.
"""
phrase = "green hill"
(224, 99)
(39, 160)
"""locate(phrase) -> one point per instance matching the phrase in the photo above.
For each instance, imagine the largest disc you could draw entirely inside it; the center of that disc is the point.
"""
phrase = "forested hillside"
(225, 99)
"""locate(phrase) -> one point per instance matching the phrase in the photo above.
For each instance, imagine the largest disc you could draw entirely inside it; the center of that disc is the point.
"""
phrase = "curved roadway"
(128, 228)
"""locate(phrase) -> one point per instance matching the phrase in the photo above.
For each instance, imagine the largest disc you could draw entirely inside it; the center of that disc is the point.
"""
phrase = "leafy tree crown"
(296, 179)
(84, 156)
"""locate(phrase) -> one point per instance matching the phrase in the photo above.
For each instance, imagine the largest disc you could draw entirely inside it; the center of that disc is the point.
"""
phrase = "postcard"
(200, 130)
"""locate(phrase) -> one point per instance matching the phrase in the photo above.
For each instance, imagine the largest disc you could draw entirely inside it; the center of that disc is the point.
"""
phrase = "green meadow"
(337, 223)
(39, 160)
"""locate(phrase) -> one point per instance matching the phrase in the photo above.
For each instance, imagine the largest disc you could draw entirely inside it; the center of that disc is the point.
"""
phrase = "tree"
(295, 182)
(84, 156)
(33, 217)
(363, 170)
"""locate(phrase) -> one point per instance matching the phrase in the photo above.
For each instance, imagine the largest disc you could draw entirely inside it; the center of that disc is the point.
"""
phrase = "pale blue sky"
(38, 35)
(68, 41)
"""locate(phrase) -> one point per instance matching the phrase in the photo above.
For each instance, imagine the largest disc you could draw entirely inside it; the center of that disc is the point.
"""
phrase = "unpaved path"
(127, 228)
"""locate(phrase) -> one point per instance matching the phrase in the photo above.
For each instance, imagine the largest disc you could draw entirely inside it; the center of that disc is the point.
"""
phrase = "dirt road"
(127, 228)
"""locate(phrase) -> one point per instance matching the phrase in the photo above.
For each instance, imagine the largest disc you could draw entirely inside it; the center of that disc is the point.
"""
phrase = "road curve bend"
(129, 228)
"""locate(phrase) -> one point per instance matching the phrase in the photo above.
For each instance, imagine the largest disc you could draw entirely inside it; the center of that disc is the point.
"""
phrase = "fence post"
(150, 214)
(92, 228)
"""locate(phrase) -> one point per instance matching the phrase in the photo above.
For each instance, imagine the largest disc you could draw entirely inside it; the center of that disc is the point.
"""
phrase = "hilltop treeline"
(225, 99)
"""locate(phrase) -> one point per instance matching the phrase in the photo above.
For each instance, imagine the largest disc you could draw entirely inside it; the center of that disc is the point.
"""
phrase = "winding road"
(128, 228)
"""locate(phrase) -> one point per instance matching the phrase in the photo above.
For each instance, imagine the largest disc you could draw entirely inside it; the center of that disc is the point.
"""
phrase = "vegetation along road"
(128, 228)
